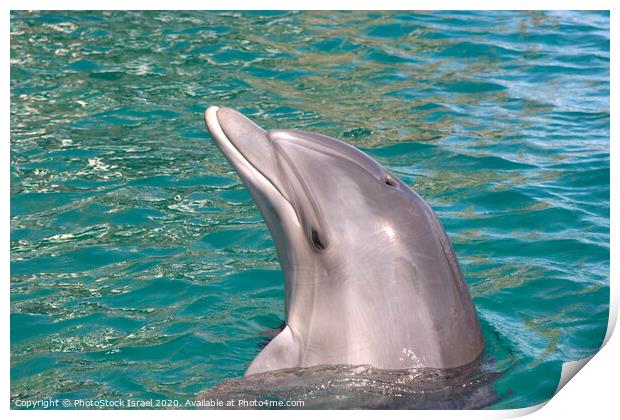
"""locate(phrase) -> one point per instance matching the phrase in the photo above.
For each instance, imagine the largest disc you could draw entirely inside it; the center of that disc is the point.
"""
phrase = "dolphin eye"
(316, 241)
(390, 181)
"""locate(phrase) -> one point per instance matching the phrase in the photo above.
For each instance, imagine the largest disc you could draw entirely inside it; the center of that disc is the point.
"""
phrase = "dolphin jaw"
(263, 190)
(252, 177)
(256, 181)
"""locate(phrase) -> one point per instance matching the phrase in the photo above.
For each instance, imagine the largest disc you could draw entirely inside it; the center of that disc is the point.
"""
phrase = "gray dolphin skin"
(371, 277)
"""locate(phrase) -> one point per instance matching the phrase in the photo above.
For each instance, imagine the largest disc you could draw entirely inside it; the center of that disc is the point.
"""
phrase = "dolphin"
(370, 275)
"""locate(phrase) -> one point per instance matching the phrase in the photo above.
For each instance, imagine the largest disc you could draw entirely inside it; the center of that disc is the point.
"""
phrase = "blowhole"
(390, 181)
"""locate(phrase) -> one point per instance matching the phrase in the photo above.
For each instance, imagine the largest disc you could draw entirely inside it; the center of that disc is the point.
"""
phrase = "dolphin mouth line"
(235, 155)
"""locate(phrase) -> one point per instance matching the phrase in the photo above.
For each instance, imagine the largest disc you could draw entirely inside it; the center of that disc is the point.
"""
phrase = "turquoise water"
(140, 267)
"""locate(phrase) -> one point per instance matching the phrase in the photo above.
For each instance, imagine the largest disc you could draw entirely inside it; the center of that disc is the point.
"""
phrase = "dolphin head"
(318, 195)
(352, 240)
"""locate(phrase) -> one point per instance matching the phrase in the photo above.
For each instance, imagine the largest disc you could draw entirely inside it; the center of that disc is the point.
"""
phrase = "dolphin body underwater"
(370, 275)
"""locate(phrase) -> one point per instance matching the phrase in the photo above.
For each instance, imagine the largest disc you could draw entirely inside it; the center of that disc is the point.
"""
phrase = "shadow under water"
(357, 387)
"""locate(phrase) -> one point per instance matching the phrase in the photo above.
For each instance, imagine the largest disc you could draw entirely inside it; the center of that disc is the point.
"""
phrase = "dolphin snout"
(248, 148)
(238, 127)
(250, 140)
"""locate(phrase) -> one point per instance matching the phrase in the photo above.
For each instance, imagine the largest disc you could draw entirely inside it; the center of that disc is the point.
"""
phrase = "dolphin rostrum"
(371, 277)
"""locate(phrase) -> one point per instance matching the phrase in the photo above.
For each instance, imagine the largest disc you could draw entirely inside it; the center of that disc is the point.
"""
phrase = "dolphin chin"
(370, 275)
